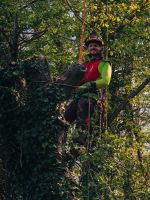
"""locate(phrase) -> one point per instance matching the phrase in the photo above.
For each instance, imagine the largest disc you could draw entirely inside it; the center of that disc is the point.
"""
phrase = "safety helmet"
(93, 37)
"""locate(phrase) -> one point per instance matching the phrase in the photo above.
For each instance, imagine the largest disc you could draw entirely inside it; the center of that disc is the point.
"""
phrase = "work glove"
(90, 86)
(85, 88)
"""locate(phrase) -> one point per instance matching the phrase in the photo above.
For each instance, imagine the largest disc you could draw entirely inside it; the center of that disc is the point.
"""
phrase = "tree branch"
(74, 11)
(129, 96)
(35, 36)
(14, 40)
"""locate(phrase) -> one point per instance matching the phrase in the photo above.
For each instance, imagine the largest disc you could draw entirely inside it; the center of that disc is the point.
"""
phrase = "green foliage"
(117, 167)
(29, 130)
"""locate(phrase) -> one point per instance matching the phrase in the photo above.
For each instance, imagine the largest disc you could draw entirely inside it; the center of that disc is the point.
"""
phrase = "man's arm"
(105, 70)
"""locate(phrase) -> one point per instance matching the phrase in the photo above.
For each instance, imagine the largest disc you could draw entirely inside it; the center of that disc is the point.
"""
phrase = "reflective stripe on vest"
(92, 73)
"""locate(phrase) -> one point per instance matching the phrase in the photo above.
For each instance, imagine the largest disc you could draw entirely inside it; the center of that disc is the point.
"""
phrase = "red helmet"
(93, 37)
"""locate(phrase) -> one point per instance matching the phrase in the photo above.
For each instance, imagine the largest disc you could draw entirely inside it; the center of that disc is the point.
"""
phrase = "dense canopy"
(31, 164)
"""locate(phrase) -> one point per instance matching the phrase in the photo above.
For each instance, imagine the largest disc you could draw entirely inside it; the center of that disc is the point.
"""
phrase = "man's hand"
(81, 87)
(85, 88)
(87, 85)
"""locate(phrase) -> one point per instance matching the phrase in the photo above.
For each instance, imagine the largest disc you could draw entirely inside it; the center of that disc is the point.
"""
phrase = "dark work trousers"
(80, 110)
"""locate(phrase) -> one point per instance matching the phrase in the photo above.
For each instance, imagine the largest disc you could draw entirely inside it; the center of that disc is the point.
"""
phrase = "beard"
(95, 53)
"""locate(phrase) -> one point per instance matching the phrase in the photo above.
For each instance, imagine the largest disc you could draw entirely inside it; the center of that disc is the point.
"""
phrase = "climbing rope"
(106, 93)
(82, 33)
(103, 96)
(103, 104)
(107, 31)
(88, 146)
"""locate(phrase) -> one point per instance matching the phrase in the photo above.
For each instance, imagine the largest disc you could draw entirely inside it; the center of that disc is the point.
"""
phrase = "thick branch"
(129, 96)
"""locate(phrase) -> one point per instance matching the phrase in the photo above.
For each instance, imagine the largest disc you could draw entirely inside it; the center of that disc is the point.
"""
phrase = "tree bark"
(71, 78)
(14, 41)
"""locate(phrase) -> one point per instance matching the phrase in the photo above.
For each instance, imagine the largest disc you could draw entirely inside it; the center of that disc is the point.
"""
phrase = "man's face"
(94, 48)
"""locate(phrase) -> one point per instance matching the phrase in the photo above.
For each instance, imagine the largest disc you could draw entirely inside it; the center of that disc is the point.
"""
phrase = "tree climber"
(98, 75)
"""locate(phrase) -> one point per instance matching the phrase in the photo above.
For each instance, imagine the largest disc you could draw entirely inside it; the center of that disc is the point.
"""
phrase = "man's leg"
(85, 110)
(71, 111)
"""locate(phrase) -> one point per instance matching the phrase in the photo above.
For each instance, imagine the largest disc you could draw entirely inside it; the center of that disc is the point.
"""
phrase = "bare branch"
(129, 96)
(74, 11)
(35, 36)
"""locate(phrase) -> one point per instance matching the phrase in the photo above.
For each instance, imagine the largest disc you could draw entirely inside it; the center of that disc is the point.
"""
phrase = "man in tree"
(98, 75)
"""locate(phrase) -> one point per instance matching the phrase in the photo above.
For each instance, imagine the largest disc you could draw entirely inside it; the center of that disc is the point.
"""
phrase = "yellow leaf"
(111, 53)
(118, 19)
(95, 7)
(134, 6)
(106, 25)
